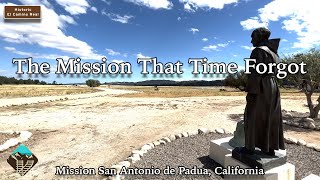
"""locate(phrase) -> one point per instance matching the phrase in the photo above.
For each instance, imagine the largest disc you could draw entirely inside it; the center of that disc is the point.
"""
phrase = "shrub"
(93, 83)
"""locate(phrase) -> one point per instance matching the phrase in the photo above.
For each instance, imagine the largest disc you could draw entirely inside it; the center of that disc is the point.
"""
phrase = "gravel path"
(306, 160)
(193, 151)
(187, 152)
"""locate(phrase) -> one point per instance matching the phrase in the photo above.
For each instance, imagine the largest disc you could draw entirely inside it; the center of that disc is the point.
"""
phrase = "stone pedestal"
(221, 152)
(283, 172)
(219, 149)
(259, 159)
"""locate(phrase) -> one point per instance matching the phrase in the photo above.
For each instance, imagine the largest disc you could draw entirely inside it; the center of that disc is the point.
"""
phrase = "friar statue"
(262, 116)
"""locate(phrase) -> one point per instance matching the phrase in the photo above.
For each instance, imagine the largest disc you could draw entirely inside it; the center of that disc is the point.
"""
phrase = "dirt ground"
(104, 130)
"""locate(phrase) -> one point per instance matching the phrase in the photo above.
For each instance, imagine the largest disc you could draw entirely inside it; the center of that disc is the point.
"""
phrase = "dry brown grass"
(177, 91)
(190, 91)
(26, 108)
(14, 91)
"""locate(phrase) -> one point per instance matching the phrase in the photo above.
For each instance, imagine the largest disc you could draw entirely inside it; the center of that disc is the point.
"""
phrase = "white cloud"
(253, 23)
(235, 55)
(204, 39)
(107, 2)
(210, 48)
(300, 17)
(153, 4)
(112, 52)
(94, 9)
(118, 18)
(247, 47)
(34, 55)
(10, 48)
(193, 30)
(214, 47)
(179, 18)
(284, 40)
(117, 61)
(35, 2)
(74, 7)
(192, 5)
(30, 2)
(104, 12)
(188, 8)
(223, 45)
(142, 56)
(67, 19)
(48, 33)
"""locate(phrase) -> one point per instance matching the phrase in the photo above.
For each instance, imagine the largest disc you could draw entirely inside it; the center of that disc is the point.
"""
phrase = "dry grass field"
(190, 91)
(113, 123)
(15, 91)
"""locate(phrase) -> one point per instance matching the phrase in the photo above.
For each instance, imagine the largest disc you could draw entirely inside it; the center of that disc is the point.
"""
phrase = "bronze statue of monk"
(262, 117)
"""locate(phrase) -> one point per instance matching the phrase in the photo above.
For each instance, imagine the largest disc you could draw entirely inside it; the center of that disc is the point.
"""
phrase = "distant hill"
(12, 80)
(170, 83)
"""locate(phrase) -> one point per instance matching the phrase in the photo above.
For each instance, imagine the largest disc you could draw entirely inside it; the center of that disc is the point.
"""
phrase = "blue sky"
(171, 30)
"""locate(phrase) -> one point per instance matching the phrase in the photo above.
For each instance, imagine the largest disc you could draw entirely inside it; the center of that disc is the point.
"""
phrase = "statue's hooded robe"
(263, 117)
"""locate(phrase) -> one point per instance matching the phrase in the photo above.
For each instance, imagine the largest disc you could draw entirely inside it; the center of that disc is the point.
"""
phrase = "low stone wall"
(307, 123)
(23, 136)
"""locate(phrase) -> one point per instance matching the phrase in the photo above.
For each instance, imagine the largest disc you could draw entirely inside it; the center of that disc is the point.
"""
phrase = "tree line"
(12, 80)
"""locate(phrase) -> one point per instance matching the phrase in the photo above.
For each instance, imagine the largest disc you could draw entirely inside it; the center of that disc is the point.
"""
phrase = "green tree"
(237, 80)
(310, 81)
(20, 81)
(29, 81)
(12, 80)
(36, 81)
(93, 83)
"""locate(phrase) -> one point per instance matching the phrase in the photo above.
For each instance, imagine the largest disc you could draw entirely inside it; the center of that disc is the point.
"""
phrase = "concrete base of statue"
(221, 152)
(282, 172)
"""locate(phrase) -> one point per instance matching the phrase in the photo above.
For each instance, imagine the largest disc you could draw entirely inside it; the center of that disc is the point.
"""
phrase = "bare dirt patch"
(308, 135)
(113, 126)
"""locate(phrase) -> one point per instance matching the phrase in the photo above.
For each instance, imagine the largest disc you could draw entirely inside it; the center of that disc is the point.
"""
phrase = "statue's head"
(259, 35)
